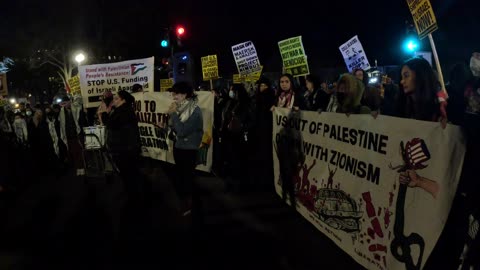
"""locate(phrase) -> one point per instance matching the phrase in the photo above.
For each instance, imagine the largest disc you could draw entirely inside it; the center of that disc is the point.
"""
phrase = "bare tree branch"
(53, 58)
(62, 76)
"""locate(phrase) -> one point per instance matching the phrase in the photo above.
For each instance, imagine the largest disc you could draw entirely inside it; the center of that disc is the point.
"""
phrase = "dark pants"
(75, 154)
(185, 163)
(128, 165)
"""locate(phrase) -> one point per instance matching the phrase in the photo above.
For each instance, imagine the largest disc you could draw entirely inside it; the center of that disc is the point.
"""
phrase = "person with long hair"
(288, 96)
(187, 122)
(417, 97)
(123, 143)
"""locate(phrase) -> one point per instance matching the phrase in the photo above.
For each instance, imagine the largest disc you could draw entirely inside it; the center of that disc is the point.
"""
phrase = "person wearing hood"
(349, 95)
(371, 95)
(187, 121)
(262, 160)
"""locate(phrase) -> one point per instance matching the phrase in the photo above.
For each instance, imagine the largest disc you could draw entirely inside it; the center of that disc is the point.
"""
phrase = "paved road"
(66, 224)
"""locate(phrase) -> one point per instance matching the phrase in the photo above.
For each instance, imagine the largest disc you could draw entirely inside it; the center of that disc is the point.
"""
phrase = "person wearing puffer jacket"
(349, 95)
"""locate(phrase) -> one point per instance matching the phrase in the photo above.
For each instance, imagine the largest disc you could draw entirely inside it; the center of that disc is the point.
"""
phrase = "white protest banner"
(293, 56)
(345, 174)
(354, 55)
(246, 58)
(151, 108)
(96, 79)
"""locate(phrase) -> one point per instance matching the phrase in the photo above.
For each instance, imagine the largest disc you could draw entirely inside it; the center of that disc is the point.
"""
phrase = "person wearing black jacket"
(262, 157)
(123, 143)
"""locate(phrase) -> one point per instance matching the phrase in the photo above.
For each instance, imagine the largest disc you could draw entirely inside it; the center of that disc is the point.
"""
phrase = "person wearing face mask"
(187, 121)
(237, 121)
(349, 94)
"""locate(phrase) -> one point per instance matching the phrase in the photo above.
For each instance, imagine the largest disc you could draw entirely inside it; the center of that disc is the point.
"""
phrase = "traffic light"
(165, 42)
(411, 43)
(183, 67)
(180, 31)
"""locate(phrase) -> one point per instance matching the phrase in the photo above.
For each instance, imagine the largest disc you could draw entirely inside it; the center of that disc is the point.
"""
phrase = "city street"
(59, 225)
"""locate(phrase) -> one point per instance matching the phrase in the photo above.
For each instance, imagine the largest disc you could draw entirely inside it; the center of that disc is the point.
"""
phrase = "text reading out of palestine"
(357, 137)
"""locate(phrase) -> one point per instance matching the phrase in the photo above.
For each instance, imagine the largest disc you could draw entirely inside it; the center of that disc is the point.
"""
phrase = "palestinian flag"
(137, 68)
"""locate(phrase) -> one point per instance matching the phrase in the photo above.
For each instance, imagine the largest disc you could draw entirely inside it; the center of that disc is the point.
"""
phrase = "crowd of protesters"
(47, 139)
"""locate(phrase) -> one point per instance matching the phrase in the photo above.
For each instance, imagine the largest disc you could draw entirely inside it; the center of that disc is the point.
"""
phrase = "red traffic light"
(180, 31)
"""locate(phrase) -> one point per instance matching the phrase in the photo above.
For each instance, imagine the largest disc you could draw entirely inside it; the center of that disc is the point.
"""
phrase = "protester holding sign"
(237, 120)
(417, 98)
(349, 95)
(123, 143)
(289, 96)
(187, 122)
(262, 137)
(371, 96)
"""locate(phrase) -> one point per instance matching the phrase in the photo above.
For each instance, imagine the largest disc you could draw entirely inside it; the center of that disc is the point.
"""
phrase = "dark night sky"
(133, 28)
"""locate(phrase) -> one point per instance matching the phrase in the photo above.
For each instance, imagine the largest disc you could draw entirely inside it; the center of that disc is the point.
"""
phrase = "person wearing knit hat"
(187, 122)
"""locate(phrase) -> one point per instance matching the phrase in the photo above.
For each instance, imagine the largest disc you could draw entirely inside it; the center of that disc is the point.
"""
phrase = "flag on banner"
(96, 79)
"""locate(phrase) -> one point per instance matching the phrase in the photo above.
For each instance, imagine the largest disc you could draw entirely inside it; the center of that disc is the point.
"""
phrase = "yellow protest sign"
(3, 102)
(237, 78)
(3, 84)
(74, 84)
(293, 56)
(423, 16)
(165, 84)
(255, 76)
(209, 67)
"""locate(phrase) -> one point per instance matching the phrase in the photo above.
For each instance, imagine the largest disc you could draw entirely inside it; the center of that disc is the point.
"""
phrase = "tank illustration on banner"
(338, 210)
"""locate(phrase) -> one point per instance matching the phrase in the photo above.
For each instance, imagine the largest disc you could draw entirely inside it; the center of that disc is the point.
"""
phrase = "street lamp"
(80, 58)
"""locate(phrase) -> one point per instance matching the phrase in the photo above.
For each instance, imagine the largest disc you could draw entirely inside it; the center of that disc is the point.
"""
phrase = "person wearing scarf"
(187, 122)
(72, 120)
(20, 128)
(288, 96)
